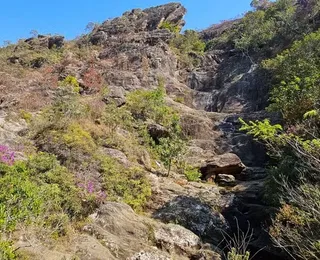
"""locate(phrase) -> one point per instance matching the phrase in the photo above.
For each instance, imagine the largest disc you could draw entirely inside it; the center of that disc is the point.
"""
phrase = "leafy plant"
(255, 30)
(296, 75)
(192, 173)
(294, 184)
(149, 104)
(187, 46)
(233, 255)
(72, 82)
(115, 117)
(170, 26)
(6, 250)
(128, 185)
(261, 129)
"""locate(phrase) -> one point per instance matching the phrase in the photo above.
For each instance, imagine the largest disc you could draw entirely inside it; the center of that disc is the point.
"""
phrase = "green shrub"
(171, 149)
(187, 46)
(267, 25)
(115, 117)
(66, 108)
(296, 78)
(192, 173)
(27, 116)
(149, 104)
(233, 255)
(128, 185)
(294, 184)
(6, 250)
(255, 30)
(179, 100)
(75, 137)
(59, 128)
(297, 226)
(170, 26)
(21, 199)
(72, 82)
(36, 190)
(47, 169)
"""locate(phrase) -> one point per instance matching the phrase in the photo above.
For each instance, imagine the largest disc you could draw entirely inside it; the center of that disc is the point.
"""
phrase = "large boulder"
(194, 215)
(176, 238)
(55, 41)
(228, 163)
(226, 180)
(115, 95)
(117, 155)
(169, 190)
(157, 131)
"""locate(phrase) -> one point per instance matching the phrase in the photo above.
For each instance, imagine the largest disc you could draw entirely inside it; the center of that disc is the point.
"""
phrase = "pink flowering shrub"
(7, 156)
(89, 191)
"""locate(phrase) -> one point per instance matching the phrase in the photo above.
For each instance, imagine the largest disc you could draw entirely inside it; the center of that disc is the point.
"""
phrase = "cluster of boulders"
(37, 43)
(46, 41)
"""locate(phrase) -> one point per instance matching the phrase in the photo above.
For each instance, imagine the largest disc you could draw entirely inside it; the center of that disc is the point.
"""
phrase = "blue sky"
(70, 17)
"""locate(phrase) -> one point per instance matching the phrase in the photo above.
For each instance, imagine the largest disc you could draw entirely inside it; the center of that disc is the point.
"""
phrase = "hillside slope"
(125, 143)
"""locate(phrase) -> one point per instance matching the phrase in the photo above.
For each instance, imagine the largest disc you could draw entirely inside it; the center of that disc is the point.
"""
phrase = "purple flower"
(90, 187)
(7, 156)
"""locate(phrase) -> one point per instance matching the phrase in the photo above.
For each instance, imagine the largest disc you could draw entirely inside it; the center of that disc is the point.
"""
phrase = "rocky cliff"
(133, 52)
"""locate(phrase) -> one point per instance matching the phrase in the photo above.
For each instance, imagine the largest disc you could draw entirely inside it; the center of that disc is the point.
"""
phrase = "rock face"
(228, 82)
(139, 21)
(130, 236)
(116, 232)
(227, 164)
(134, 51)
(195, 216)
(10, 130)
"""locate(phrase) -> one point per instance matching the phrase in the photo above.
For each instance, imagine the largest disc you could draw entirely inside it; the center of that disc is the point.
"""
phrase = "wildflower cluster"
(7, 156)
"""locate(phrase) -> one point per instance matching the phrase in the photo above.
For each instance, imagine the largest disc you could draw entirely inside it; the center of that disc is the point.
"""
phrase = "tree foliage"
(294, 184)
(187, 46)
(297, 77)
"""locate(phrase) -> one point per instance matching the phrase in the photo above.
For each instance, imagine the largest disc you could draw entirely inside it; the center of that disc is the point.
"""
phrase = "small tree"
(171, 148)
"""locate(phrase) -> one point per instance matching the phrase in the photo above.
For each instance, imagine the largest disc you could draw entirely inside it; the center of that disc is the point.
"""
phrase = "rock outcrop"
(116, 232)
(195, 216)
(227, 164)
(142, 24)
(46, 41)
